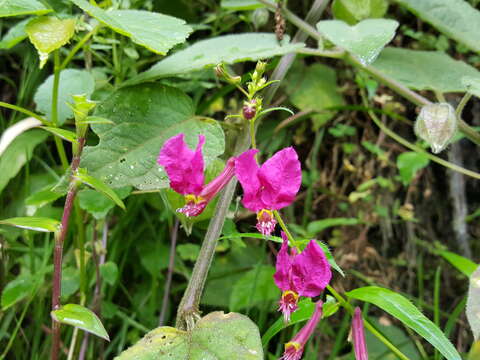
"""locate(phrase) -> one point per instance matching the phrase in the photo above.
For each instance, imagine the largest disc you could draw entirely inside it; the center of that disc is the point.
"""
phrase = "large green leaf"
(223, 49)
(253, 288)
(21, 7)
(216, 336)
(144, 117)
(48, 33)
(157, 32)
(473, 304)
(424, 70)
(241, 4)
(365, 40)
(72, 82)
(455, 18)
(402, 309)
(314, 88)
(81, 317)
(14, 35)
(18, 153)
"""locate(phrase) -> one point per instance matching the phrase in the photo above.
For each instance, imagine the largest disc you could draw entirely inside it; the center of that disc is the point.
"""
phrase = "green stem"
(284, 228)
(78, 46)
(81, 248)
(461, 104)
(56, 81)
(367, 324)
(25, 111)
(252, 133)
(335, 54)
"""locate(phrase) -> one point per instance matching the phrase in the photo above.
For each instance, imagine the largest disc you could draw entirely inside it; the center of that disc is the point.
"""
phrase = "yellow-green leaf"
(22, 7)
(48, 33)
(33, 223)
(62, 133)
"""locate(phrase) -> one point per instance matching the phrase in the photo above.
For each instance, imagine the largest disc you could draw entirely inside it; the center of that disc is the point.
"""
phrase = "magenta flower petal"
(184, 167)
(280, 177)
(283, 266)
(246, 171)
(311, 271)
(358, 334)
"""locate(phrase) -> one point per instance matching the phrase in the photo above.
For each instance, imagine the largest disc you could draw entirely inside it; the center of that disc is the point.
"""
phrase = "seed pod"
(436, 124)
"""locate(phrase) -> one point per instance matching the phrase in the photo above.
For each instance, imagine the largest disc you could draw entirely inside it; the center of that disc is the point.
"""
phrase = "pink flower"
(304, 274)
(358, 332)
(269, 187)
(294, 348)
(185, 169)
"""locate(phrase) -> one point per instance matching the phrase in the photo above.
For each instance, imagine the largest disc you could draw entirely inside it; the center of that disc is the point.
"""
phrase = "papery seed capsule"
(436, 124)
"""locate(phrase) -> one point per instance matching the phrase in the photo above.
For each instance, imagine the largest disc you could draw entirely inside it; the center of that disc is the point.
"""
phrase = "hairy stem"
(188, 310)
(58, 250)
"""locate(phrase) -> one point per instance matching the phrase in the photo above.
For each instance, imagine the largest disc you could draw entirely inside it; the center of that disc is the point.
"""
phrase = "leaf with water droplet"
(216, 336)
(364, 40)
(48, 33)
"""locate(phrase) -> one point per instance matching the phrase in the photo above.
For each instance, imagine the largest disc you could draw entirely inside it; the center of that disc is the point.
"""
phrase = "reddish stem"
(58, 250)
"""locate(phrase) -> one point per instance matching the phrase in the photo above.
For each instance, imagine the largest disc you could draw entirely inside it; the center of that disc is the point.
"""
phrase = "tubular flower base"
(358, 335)
(185, 169)
(294, 348)
(269, 187)
(304, 274)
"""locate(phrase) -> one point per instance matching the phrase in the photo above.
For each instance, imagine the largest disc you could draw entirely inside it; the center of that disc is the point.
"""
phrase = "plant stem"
(25, 111)
(252, 133)
(369, 326)
(284, 228)
(54, 119)
(58, 250)
(171, 264)
(188, 310)
(78, 46)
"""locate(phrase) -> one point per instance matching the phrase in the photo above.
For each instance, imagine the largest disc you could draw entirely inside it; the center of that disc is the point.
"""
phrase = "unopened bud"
(260, 67)
(222, 73)
(250, 109)
(259, 17)
(436, 124)
(219, 71)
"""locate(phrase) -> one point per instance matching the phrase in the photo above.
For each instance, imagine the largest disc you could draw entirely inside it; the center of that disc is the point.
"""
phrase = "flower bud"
(259, 17)
(250, 109)
(436, 124)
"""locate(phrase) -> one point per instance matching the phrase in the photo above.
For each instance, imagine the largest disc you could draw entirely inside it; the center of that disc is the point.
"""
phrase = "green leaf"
(18, 153)
(255, 287)
(62, 133)
(403, 310)
(464, 265)
(472, 85)
(473, 304)
(188, 251)
(304, 312)
(33, 223)
(14, 35)
(16, 290)
(70, 282)
(95, 120)
(424, 70)
(455, 18)
(314, 88)
(22, 7)
(144, 117)
(72, 82)
(409, 163)
(97, 204)
(215, 336)
(318, 226)
(364, 40)
(98, 185)
(241, 4)
(353, 11)
(157, 32)
(80, 317)
(226, 49)
(48, 33)
(42, 197)
(109, 272)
